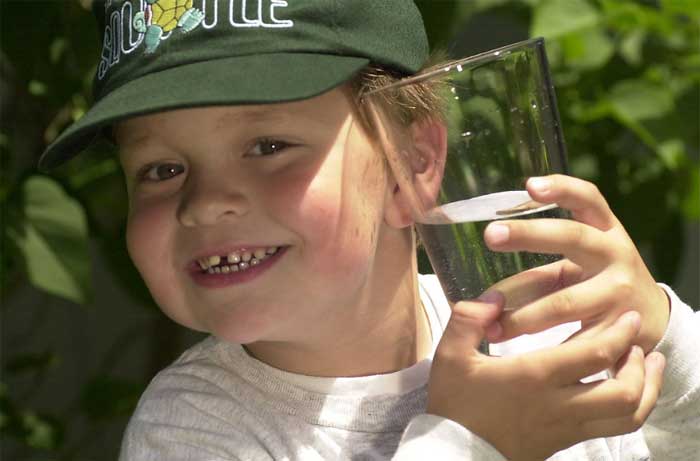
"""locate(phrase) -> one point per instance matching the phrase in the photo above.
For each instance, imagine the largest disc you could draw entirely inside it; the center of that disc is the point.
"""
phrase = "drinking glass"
(499, 125)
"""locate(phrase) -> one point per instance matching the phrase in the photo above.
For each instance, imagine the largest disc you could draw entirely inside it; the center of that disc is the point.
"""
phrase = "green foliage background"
(627, 76)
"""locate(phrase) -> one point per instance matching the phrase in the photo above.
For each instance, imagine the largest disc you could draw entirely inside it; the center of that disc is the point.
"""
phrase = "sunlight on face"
(299, 177)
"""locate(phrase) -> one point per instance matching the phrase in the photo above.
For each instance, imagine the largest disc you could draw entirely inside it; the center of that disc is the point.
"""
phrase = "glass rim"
(484, 56)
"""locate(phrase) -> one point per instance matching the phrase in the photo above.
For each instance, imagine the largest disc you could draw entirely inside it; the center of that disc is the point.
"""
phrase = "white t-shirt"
(216, 402)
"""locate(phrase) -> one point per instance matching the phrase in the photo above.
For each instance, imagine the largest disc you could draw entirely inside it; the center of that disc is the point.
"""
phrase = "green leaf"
(555, 18)
(684, 7)
(637, 100)
(36, 88)
(690, 64)
(54, 240)
(586, 112)
(631, 47)
(690, 203)
(628, 16)
(94, 171)
(587, 49)
(584, 166)
(41, 432)
(672, 153)
(58, 48)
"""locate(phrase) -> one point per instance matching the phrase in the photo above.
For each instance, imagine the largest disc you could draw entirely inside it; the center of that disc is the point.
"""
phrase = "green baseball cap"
(167, 54)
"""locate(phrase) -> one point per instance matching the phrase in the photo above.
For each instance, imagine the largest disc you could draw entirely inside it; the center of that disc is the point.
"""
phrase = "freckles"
(318, 206)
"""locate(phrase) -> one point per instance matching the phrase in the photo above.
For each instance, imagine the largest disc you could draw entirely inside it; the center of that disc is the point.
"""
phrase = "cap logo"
(162, 16)
(153, 21)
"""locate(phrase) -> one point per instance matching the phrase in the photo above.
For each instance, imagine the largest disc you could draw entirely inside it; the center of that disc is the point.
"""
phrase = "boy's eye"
(267, 146)
(161, 172)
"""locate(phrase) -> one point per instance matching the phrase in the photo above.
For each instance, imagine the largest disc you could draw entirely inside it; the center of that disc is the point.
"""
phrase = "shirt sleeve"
(672, 430)
(433, 437)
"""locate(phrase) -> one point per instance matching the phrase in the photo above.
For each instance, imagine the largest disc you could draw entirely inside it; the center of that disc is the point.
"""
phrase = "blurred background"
(81, 337)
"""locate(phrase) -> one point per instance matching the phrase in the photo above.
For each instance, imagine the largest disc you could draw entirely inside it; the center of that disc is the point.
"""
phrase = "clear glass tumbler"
(500, 126)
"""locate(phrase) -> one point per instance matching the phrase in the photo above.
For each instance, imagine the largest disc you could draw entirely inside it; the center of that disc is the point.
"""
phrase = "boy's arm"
(672, 431)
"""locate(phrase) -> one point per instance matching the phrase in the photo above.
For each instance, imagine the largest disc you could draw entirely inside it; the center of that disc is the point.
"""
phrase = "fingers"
(530, 285)
(570, 362)
(582, 198)
(582, 244)
(468, 323)
(609, 398)
(632, 419)
(581, 301)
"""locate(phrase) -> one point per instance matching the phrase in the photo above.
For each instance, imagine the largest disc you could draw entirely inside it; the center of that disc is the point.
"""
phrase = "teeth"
(236, 261)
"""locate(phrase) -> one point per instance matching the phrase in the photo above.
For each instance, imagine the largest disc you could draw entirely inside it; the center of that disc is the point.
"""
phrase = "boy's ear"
(425, 154)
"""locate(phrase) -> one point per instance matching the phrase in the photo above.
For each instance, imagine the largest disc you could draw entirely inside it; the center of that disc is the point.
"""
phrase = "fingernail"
(539, 184)
(638, 350)
(491, 297)
(632, 318)
(497, 233)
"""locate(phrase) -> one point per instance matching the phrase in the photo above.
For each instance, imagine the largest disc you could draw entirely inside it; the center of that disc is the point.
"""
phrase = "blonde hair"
(402, 105)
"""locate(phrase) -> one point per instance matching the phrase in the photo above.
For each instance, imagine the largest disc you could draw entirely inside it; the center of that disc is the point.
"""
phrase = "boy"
(261, 211)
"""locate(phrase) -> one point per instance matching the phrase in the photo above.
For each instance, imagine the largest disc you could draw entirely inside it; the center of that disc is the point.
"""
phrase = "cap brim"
(255, 79)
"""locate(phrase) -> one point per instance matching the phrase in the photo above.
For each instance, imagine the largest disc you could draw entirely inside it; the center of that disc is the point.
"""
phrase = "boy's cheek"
(148, 240)
(339, 239)
(147, 236)
(139, 241)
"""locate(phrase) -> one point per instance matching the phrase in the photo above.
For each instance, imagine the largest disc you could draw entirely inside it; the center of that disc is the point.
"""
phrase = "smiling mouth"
(235, 262)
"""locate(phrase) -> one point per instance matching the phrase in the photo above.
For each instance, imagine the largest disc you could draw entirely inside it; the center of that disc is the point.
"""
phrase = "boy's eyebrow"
(250, 115)
(253, 115)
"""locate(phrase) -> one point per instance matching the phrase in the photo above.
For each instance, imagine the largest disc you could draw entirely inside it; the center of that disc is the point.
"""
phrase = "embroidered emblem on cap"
(156, 20)
(162, 16)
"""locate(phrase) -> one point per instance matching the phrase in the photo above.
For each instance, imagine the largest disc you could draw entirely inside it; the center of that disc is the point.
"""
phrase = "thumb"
(469, 322)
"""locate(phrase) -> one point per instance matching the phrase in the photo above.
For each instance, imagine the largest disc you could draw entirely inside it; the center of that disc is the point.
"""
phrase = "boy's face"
(300, 180)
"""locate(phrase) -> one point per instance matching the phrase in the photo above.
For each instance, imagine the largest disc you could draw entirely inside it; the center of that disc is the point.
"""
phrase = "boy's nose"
(206, 203)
